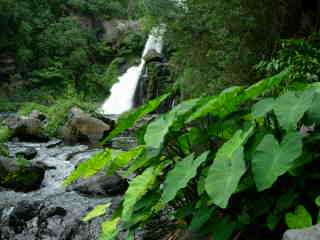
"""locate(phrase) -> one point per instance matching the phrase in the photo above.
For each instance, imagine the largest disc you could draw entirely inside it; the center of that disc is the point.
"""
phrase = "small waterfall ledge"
(122, 94)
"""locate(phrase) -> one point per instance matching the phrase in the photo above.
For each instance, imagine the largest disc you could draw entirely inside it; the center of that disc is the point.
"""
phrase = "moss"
(5, 134)
(23, 179)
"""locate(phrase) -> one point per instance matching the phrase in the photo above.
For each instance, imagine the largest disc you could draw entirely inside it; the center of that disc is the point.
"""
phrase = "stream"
(53, 212)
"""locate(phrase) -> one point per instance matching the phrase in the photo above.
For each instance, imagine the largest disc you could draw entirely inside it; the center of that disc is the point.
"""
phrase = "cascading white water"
(122, 94)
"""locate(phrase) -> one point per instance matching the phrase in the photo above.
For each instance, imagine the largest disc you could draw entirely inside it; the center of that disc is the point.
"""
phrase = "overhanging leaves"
(127, 121)
(158, 129)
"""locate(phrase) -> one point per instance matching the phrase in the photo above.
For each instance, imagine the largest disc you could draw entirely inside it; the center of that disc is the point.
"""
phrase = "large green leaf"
(290, 108)
(272, 159)
(227, 169)
(158, 129)
(221, 105)
(261, 108)
(90, 167)
(138, 187)
(180, 175)
(230, 99)
(97, 212)
(300, 218)
(123, 159)
(266, 85)
(109, 229)
(128, 120)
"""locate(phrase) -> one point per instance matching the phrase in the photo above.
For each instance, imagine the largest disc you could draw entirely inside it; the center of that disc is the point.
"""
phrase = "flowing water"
(122, 94)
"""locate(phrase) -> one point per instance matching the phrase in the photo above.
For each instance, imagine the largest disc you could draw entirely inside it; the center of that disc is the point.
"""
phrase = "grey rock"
(27, 153)
(101, 185)
(83, 128)
(312, 233)
(29, 128)
(153, 56)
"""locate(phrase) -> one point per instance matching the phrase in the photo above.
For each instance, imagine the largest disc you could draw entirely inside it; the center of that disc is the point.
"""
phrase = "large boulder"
(153, 56)
(30, 128)
(115, 29)
(83, 128)
(101, 185)
(312, 233)
(20, 175)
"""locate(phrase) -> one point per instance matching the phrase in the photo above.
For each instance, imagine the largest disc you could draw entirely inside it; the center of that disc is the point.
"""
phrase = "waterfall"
(122, 94)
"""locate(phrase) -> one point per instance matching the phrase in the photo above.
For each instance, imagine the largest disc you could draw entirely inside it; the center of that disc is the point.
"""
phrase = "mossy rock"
(4, 151)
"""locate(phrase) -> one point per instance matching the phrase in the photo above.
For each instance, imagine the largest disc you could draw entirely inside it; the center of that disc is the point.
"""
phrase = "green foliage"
(129, 119)
(227, 169)
(157, 130)
(91, 166)
(272, 159)
(290, 108)
(96, 212)
(301, 55)
(244, 180)
(5, 134)
(109, 229)
(57, 112)
(300, 218)
(182, 173)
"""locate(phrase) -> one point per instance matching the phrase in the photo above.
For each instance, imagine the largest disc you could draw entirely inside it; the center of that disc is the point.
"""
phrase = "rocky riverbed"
(51, 211)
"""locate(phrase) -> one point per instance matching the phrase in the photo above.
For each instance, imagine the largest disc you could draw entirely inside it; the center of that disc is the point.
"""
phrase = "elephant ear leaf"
(261, 108)
(227, 169)
(271, 159)
(290, 108)
(182, 173)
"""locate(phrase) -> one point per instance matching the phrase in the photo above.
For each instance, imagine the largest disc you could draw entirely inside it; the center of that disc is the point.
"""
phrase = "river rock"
(27, 153)
(312, 233)
(20, 175)
(153, 56)
(83, 128)
(30, 128)
(55, 218)
(101, 185)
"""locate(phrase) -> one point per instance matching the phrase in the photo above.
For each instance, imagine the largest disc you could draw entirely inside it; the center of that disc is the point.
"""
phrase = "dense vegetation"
(50, 46)
(242, 163)
(237, 156)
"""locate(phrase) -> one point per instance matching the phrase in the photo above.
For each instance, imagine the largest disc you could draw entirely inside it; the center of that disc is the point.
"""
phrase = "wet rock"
(20, 175)
(312, 233)
(101, 185)
(30, 129)
(27, 153)
(57, 217)
(153, 56)
(53, 143)
(83, 128)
